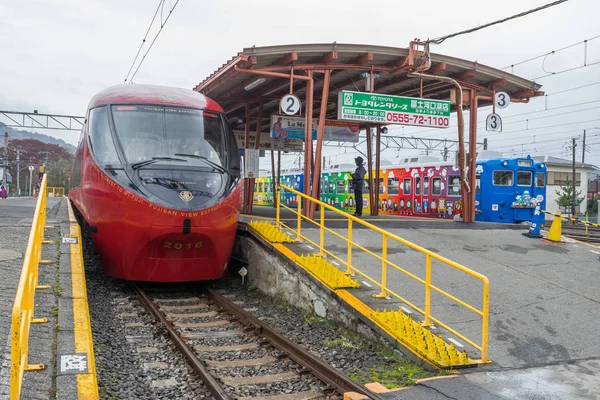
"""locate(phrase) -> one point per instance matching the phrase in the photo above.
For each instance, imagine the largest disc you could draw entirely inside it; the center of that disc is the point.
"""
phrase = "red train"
(155, 183)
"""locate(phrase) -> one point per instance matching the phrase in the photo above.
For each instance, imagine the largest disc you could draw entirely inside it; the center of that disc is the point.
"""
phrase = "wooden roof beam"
(362, 59)
(398, 65)
(496, 83)
(523, 94)
(329, 57)
(436, 68)
(466, 74)
(247, 62)
(288, 59)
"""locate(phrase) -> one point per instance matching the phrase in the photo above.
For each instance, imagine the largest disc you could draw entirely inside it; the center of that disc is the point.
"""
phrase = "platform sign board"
(295, 127)
(388, 109)
(251, 160)
(269, 143)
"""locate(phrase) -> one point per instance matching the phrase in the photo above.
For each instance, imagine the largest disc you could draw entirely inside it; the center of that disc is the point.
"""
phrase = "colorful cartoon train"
(507, 190)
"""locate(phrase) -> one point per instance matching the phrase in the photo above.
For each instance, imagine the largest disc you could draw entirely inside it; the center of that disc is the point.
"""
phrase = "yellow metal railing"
(23, 308)
(385, 263)
(56, 191)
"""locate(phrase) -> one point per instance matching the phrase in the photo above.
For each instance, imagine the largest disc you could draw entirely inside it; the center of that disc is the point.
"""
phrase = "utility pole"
(18, 171)
(4, 176)
(583, 148)
(574, 195)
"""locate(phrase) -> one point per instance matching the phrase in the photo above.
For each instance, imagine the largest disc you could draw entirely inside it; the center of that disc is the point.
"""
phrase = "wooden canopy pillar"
(308, 140)
(316, 176)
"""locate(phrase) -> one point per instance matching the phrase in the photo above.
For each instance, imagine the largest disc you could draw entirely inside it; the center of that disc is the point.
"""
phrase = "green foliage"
(252, 288)
(314, 319)
(348, 339)
(54, 311)
(565, 195)
(59, 173)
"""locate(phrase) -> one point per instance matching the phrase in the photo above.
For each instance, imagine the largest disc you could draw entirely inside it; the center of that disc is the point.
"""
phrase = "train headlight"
(504, 163)
(543, 165)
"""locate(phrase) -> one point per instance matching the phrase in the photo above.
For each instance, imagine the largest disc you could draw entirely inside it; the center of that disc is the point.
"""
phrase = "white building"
(559, 170)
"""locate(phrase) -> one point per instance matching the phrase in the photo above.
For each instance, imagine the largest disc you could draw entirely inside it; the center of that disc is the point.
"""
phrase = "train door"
(539, 189)
(426, 199)
(524, 203)
(418, 199)
(393, 193)
(406, 198)
(499, 196)
(436, 195)
(453, 200)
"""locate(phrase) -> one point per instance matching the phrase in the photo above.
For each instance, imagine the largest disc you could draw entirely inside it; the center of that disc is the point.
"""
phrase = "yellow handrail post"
(384, 262)
(349, 262)
(427, 321)
(299, 222)
(484, 320)
(277, 211)
(322, 233)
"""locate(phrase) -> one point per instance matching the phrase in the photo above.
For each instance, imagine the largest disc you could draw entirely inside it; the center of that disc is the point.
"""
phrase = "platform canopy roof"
(233, 88)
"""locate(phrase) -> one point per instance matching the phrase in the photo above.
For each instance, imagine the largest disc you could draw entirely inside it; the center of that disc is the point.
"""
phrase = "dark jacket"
(358, 179)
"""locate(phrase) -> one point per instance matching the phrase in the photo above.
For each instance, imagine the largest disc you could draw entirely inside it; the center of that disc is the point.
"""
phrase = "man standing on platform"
(358, 181)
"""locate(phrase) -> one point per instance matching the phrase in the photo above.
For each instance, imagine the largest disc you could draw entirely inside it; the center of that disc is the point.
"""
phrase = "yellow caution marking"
(270, 232)
(87, 384)
(421, 340)
(326, 272)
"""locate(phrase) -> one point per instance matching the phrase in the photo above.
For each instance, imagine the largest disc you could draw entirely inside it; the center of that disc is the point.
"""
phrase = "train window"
(454, 186)
(380, 185)
(426, 186)
(393, 185)
(341, 187)
(477, 183)
(503, 178)
(261, 187)
(155, 131)
(418, 185)
(102, 145)
(437, 186)
(76, 174)
(540, 179)
(406, 186)
(524, 178)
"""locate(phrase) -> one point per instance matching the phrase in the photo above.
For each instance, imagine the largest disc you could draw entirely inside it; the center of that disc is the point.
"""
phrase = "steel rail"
(211, 383)
(317, 367)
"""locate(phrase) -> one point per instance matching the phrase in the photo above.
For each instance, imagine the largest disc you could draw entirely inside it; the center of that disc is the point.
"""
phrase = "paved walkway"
(15, 224)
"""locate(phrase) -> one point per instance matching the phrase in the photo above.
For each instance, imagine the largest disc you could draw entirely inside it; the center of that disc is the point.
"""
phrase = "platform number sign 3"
(502, 99)
(493, 123)
(290, 104)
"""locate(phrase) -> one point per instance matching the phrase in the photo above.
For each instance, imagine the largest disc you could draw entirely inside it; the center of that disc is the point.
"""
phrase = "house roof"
(561, 162)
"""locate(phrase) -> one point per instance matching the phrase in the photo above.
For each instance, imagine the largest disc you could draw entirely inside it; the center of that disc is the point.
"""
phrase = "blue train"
(507, 190)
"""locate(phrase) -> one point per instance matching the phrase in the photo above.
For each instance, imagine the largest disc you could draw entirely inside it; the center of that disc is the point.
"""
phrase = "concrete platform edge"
(74, 333)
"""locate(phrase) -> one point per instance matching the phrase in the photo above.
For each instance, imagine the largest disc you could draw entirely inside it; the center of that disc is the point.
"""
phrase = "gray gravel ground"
(358, 358)
(122, 373)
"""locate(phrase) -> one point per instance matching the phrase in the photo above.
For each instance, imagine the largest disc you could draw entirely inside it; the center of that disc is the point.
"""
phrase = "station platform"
(543, 301)
(64, 343)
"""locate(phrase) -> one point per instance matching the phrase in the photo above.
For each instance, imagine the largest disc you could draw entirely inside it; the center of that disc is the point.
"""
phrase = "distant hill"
(22, 134)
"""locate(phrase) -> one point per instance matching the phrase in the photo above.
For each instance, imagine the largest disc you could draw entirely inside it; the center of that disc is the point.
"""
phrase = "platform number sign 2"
(290, 104)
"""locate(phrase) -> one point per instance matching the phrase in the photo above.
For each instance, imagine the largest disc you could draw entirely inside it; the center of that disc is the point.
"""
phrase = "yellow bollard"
(554, 234)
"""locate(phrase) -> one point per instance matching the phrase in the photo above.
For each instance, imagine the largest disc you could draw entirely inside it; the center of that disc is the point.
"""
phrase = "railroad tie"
(261, 379)
(241, 363)
(306, 395)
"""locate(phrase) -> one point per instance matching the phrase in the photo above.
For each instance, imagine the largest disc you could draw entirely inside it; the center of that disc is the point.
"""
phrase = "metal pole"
(30, 182)
(18, 172)
(461, 128)
(583, 148)
(574, 197)
(316, 176)
(375, 207)
(4, 177)
(308, 140)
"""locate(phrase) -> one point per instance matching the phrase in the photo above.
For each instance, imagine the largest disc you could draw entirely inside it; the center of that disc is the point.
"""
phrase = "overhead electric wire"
(154, 40)
(522, 14)
(552, 52)
(566, 70)
(160, 2)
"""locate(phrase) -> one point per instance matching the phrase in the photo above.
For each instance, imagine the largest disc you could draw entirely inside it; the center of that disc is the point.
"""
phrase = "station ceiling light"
(254, 84)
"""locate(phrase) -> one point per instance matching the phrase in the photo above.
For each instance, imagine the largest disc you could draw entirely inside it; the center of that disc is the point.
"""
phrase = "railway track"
(579, 232)
(238, 356)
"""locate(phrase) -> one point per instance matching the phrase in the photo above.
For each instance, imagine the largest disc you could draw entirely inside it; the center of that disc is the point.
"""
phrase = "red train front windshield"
(170, 135)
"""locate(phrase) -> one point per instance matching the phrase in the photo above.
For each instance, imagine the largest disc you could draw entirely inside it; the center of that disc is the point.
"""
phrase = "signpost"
(378, 108)
(502, 100)
(293, 128)
(269, 143)
(31, 168)
(251, 157)
(290, 104)
(493, 122)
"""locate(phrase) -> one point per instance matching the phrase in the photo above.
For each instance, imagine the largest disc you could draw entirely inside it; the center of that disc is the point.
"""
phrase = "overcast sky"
(56, 54)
